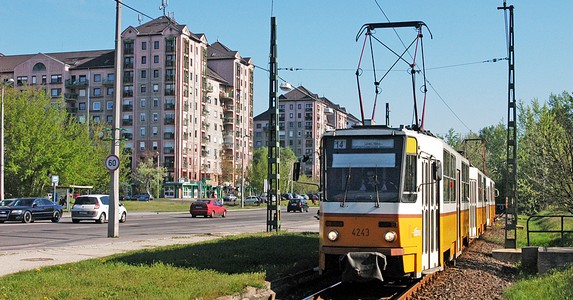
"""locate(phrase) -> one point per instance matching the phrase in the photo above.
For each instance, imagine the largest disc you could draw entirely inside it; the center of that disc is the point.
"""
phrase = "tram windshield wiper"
(346, 188)
(376, 188)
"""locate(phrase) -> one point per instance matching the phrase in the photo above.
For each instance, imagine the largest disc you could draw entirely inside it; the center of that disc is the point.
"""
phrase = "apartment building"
(303, 118)
(173, 105)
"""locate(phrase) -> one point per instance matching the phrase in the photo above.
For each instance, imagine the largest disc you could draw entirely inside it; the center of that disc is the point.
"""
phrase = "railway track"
(371, 290)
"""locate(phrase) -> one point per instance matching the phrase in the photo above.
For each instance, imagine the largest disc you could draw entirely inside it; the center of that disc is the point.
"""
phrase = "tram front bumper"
(363, 266)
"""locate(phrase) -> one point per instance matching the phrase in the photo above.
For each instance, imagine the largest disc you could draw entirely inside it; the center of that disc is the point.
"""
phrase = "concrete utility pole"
(113, 221)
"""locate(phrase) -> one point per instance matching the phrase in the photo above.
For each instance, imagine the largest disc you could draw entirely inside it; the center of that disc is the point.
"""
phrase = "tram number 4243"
(361, 232)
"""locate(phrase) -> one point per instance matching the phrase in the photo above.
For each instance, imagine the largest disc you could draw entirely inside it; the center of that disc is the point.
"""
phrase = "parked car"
(95, 207)
(297, 204)
(28, 210)
(144, 197)
(252, 200)
(7, 202)
(230, 199)
(207, 208)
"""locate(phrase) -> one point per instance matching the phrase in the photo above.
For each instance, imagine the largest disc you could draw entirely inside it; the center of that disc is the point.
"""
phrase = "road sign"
(112, 162)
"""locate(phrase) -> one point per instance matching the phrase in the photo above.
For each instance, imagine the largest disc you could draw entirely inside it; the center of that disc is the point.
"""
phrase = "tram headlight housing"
(390, 236)
(332, 235)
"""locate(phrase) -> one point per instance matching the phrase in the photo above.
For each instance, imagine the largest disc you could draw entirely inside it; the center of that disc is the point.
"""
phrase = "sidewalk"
(21, 260)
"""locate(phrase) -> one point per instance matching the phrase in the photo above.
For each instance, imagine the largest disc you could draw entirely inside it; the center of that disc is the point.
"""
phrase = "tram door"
(430, 218)
(473, 204)
(458, 212)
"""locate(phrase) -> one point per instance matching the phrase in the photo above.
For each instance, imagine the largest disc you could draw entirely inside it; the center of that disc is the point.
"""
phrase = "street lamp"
(4, 83)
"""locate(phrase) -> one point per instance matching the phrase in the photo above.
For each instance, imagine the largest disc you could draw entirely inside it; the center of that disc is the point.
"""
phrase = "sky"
(467, 91)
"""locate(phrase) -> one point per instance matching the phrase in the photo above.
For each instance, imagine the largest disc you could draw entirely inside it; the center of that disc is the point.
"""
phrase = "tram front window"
(363, 177)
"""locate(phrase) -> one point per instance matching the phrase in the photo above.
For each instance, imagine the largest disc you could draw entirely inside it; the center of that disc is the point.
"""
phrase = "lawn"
(204, 270)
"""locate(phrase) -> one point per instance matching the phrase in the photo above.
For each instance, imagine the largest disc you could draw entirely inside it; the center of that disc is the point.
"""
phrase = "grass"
(545, 239)
(555, 285)
(204, 270)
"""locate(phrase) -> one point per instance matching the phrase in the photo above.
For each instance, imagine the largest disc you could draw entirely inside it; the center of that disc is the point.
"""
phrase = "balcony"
(169, 106)
(76, 83)
(229, 107)
(169, 135)
(226, 95)
(227, 121)
(169, 121)
(168, 150)
(170, 63)
(169, 92)
(128, 79)
(127, 122)
(127, 107)
(128, 65)
(208, 88)
(72, 110)
(108, 82)
(128, 93)
(169, 77)
(71, 96)
(127, 136)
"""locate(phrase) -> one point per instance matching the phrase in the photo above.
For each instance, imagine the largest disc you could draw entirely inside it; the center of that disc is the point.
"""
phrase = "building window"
(97, 77)
(97, 92)
(142, 146)
(111, 77)
(291, 115)
(109, 105)
(156, 88)
(143, 88)
(56, 78)
(39, 67)
(44, 79)
(82, 106)
(34, 81)
(155, 102)
(155, 59)
(142, 103)
(144, 60)
(143, 73)
(154, 146)
(155, 117)
(96, 119)
(96, 106)
(142, 117)
(142, 131)
(155, 44)
(56, 92)
(128, 91)
(155, 73)
(143, 45)
(109, 119)
(82, 93)
(154, 130)
(110, 91)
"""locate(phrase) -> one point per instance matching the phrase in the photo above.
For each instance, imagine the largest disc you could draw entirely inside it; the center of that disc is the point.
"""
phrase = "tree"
(546, 154)
(149, 175)
(259, 169)
(42, 139)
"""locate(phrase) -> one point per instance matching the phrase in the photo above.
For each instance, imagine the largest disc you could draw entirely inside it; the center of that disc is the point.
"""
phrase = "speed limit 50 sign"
(112, 162)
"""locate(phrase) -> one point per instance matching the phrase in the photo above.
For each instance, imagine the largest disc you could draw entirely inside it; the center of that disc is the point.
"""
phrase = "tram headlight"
(332, 235)
(390, 236)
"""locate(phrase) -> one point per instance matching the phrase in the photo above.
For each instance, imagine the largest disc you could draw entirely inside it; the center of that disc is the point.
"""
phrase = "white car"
(95, 207)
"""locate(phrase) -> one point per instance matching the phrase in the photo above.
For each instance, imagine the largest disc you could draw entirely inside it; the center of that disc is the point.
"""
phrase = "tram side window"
(449, 183)
(410, 184)
(465, 183)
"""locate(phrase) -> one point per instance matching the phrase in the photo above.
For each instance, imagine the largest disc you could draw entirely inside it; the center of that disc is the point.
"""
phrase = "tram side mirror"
(437, 170)
(296, 171)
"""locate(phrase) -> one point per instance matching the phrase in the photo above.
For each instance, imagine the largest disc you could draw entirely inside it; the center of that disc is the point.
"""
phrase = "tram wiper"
(376, 187)
(346, 188)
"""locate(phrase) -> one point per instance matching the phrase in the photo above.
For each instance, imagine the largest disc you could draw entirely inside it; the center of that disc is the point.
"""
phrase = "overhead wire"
(426, 81)
(135, 10)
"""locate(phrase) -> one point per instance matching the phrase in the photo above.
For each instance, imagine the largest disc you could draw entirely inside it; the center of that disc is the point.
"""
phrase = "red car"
(207, 208)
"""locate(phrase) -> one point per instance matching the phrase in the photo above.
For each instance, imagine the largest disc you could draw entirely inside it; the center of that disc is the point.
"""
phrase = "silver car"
(95, 207)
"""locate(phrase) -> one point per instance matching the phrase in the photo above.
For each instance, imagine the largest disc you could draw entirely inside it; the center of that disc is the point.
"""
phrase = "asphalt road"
(16, 236)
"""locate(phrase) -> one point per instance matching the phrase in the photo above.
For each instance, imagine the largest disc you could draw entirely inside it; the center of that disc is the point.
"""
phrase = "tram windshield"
(363, 170)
